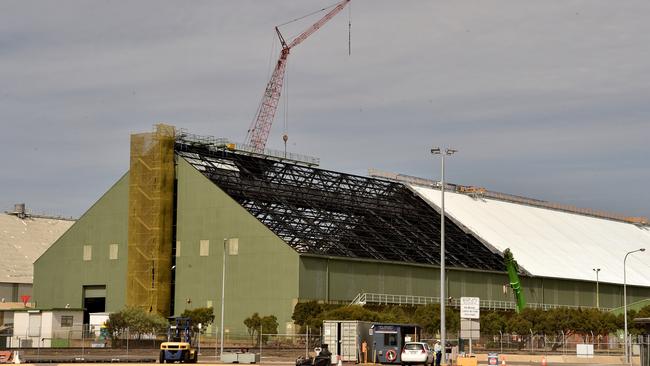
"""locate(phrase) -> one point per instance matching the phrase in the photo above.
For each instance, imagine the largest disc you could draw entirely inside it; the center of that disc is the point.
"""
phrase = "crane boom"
(316, 26)
(512, 268)
(260, 128)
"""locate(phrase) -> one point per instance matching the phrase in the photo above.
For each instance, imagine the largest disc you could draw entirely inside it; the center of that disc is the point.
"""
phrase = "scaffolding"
(151, 197)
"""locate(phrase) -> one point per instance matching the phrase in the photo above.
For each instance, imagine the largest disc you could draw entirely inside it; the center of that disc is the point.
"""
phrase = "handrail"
(375, 298)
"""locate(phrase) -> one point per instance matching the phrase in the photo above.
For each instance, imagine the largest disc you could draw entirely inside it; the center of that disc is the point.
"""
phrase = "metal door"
(349, 341)
(331, 337)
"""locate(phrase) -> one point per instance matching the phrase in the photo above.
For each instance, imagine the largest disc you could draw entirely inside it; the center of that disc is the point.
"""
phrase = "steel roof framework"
(329, 213)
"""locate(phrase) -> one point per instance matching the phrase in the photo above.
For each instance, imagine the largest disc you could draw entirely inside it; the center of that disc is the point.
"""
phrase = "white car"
(417, 353)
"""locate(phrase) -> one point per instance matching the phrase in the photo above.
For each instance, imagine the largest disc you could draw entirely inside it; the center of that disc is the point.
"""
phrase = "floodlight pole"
(223, 293)
(627, 353)
(597, 292)
(443, 297)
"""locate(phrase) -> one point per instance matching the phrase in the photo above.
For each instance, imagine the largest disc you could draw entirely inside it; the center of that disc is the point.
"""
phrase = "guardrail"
(220, 143)
(374, 298)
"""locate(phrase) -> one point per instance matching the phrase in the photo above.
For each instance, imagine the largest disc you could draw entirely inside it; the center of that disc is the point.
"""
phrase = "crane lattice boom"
(260, 128)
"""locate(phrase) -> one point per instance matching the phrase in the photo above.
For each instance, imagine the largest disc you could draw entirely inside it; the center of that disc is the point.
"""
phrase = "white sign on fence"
(585, 350)
(470, 307)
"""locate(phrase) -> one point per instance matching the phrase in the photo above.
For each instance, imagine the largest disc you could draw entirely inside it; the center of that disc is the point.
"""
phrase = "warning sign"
(470, 307)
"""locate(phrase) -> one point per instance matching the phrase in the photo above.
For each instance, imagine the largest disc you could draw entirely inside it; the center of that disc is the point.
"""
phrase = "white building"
(35, 328)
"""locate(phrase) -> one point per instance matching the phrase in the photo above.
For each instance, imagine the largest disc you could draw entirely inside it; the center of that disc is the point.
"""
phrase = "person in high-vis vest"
(437, 348)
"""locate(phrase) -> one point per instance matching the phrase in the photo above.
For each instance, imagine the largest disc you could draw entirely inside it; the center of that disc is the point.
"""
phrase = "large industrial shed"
(293, 232)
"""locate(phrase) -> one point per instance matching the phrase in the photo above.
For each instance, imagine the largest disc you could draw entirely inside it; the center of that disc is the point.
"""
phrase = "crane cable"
(285, 135)
(350, 29)
(285, 94)
(308, 15)
(270, 68)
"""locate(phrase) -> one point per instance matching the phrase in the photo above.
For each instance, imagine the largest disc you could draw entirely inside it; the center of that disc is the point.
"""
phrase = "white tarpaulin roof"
(552, 243)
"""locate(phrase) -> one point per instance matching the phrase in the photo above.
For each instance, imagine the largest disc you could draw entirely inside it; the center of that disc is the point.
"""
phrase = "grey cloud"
(545, 99)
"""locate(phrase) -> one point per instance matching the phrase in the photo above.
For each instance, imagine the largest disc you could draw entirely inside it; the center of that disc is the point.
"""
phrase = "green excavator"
(513, 268)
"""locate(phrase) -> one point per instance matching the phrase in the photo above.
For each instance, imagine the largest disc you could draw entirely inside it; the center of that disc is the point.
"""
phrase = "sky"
(545, 99)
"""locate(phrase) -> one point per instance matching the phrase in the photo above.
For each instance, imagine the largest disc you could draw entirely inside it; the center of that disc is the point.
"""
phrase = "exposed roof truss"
(329, 213)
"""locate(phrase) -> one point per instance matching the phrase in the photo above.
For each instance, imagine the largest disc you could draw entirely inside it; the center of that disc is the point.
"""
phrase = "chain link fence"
(84, 342)
(87, 343)
(560, 344)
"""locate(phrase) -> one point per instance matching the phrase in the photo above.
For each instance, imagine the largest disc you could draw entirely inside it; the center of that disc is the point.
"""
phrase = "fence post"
(82, 341)
(127, 341)
(260, 344)
(501, 340)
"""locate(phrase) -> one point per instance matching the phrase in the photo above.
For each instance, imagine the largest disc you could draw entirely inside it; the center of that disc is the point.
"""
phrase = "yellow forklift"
(179, 346)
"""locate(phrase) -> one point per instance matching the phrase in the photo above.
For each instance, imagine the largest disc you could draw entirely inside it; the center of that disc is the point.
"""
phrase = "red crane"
(259, 130)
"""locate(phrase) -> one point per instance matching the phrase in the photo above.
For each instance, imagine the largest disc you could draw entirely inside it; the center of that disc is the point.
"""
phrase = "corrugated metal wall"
(261, 277)
(61, 272)
(339, 279)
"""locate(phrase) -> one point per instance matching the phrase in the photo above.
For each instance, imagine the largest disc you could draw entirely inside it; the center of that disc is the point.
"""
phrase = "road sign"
(470, 307)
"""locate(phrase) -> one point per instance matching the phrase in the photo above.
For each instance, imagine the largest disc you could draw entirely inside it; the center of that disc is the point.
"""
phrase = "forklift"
(179, 346)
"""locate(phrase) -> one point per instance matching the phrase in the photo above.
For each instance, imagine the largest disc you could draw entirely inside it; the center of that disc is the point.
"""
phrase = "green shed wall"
(262, 278)
(60, 273)
(341, 279)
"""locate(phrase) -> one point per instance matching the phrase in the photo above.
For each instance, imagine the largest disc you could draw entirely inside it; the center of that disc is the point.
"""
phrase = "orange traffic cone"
(503, 360)
(543, 360)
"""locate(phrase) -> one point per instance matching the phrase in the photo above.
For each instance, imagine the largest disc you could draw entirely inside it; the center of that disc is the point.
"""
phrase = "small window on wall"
(88, 252)
(390, 339)
(66, 321)
(233, 246)
(112, 251)
(204, 249)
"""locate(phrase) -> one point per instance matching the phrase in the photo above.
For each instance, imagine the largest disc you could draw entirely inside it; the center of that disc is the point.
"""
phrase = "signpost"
(470, 326)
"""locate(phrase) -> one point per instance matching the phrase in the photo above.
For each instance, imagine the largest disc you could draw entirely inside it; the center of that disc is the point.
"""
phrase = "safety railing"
(374, 298)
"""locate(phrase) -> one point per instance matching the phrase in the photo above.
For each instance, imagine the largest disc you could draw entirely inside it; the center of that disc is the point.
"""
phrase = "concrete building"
(292, 232)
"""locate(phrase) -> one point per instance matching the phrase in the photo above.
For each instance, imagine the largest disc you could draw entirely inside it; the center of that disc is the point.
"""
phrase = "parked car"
(417, 353)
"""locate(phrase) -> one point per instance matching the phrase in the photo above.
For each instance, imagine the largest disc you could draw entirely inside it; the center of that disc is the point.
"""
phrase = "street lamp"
(439, 151)
(597, 294)
(627, 358)
(223, 293)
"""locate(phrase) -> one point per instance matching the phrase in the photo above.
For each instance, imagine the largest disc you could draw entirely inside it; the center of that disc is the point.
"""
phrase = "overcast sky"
(546, 99)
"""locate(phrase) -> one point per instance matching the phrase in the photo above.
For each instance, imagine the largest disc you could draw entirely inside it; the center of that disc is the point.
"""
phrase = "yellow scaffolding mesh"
(151, 194)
